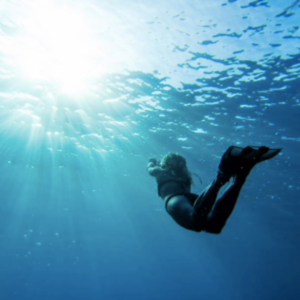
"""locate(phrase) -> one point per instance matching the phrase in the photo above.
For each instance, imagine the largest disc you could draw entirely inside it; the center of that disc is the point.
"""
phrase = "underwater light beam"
(57, 45)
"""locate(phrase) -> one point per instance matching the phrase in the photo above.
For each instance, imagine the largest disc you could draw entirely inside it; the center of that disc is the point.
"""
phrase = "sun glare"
(57, 45)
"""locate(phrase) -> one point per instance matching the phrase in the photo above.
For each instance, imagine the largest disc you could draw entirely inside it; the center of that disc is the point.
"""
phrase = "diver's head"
(177, 163)
(173, 161)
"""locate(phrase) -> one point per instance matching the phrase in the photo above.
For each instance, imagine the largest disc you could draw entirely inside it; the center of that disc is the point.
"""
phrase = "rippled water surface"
(89, 91)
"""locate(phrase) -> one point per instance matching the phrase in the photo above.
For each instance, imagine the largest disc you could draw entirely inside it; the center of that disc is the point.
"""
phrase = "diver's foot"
(238, 161)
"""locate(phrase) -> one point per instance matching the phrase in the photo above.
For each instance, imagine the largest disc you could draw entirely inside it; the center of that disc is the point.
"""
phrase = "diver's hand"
(152, 165)
(153, 160)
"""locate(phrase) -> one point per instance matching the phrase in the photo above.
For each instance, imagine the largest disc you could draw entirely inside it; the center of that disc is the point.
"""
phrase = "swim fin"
(238, 161)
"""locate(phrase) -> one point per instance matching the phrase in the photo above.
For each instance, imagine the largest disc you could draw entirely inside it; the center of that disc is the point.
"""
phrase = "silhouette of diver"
(204, 212)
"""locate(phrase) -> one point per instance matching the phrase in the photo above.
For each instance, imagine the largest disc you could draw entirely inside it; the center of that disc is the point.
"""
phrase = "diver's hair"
(177, 164)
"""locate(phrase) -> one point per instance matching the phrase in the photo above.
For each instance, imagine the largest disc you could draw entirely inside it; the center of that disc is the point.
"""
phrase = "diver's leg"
(217, 218)
(193, 217)
(207, 199)
(236, 162)
(181, 210)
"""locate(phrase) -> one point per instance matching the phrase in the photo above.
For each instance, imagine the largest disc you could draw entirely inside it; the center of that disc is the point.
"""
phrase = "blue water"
(90, 90)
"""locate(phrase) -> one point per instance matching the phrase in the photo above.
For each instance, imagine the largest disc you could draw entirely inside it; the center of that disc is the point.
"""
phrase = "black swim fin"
(239, 161)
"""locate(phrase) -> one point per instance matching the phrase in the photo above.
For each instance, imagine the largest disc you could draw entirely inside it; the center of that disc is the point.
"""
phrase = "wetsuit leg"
(218, 216)
(182, 211)
(193, 216)
(207, 199)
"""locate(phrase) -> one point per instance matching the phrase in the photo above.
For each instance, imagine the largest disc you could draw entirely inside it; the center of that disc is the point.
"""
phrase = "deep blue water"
(90, 90)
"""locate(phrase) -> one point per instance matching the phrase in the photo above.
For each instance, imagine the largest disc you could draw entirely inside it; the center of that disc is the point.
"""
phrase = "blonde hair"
(177, 164)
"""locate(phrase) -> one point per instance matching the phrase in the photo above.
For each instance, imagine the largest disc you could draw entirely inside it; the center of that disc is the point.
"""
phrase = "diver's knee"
(196, 229)
(214, 224)
(214, 228)
(192, 227)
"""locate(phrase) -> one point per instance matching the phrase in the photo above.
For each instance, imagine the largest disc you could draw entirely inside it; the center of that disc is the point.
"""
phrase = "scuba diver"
(204, 212)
